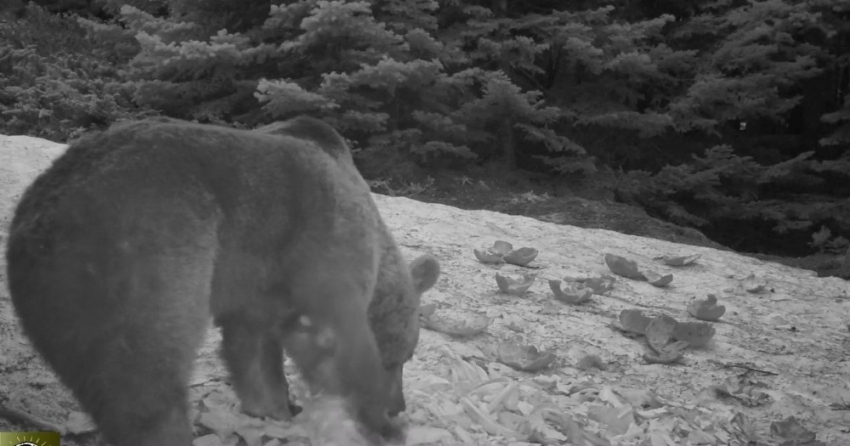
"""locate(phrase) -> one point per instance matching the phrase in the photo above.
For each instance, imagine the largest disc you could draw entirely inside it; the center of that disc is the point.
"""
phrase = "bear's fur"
(121, 251)
(393, 313)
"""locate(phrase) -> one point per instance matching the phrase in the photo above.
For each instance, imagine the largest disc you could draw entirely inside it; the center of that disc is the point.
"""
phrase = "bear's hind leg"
(130, 369)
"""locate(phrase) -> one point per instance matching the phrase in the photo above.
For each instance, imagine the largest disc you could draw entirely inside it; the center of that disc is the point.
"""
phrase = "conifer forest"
(731, 117)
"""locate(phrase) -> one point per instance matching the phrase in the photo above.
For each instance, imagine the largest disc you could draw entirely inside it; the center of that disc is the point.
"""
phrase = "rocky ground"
(775, 370)
(586, 203)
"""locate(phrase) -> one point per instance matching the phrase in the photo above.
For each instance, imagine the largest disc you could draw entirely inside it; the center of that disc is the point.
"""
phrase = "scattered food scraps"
(521, 256)
(745, 391)
(511, 285)
(599, 285)
(502, 247)
(634, 321)
(697, 334)
(457, 327)
(657, 279)
(668, 354)
(524, 357)
(487, 257)
(623, 267)
(571, 294)
(754, 284)
(502, 251)
(706, 309)
(659, 332)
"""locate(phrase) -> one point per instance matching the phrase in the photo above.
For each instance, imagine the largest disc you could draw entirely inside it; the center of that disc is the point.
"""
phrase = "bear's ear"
(425, 271)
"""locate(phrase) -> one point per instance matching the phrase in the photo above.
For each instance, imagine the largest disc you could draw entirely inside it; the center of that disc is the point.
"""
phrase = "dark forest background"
(730, 117)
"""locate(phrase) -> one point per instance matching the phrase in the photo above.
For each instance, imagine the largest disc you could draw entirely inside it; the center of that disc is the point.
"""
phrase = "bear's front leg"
(254, 356)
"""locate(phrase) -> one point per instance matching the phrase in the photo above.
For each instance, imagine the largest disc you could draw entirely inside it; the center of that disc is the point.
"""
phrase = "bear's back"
(242, 173)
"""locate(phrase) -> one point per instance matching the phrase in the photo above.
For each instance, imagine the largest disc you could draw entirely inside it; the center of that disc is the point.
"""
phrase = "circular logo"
(29, 438)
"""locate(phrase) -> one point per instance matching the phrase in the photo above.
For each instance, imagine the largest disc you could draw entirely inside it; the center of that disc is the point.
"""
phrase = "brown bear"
(120, 252)
(394, 310)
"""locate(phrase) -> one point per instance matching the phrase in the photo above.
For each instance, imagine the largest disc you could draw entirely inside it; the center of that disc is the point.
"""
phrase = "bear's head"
(394, 314)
